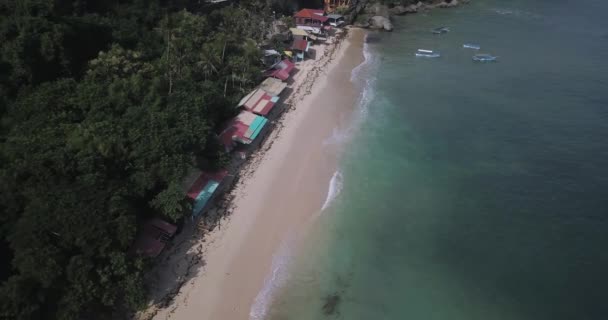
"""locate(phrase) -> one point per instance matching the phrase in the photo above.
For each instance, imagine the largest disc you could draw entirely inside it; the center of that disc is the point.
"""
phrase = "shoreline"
(280, 189)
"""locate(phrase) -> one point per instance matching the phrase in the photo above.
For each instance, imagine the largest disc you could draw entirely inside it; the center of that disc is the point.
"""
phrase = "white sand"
(281, 189)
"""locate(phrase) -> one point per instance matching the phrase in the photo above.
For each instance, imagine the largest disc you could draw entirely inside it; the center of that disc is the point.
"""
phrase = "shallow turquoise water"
(470, 191)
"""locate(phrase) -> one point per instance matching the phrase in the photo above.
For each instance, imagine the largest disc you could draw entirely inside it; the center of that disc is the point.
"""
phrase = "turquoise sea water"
(469, 191)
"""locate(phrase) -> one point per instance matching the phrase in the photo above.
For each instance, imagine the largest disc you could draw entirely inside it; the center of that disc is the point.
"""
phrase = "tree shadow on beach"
(184, 259)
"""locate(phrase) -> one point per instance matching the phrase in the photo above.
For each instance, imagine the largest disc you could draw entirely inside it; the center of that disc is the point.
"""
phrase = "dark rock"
(331, 304)
(378, 9)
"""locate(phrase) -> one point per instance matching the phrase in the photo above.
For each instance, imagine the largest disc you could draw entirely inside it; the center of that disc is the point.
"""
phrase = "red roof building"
(282, 70)
(258, 102)
(300, 45)
(310, 18)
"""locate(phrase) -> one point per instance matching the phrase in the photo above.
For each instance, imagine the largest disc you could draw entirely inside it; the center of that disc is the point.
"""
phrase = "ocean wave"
(516, 13)
(277, 277)
(364, 76)
(361, 76)
(335, 187)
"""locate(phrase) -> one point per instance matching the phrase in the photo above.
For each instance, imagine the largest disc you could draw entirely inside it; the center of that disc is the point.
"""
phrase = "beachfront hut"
(281, 70)
(311, 20)
(152, 237)
(335, 20)
(243, 129)
(258, 101)
(271, 57)
(299, 34)
(300, 47)
(201, 187)
(273, 86)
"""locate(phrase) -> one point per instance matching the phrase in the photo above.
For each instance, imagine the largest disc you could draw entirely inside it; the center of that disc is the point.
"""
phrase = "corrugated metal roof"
(271, 52)
(311, 13)
(244, 129)
(301, 45)
(335, 16)
(273, 86)
(203, 188)
(258, 101)
(298, 32)
(282, 70)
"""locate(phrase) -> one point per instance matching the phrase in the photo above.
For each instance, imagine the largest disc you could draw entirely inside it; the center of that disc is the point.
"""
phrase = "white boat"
(427, 53)
(484, 57)
(441, 30)
(471, 46)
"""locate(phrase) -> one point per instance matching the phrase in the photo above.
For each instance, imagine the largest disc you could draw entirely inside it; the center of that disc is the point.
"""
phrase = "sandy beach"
(281, 189)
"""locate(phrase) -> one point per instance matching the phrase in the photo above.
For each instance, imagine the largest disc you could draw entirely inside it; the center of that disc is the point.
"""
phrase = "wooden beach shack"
(300, 34)
(336, 20)
(299, 48)
(243, 129)
(152, 237)
(201, 187)
(271, 57)
(281, 70)
(258, 101)
(273, 86)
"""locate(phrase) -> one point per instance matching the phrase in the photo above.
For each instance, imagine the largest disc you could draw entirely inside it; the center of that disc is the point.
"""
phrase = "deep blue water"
(471, 191)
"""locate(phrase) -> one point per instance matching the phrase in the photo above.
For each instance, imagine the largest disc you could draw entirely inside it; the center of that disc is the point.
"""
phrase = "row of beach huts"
(242, 134)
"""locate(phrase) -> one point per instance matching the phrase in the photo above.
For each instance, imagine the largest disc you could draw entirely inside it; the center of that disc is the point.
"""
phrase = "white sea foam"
(364, 76)
(274, 280)
(335, 187)
(361, 76)
(517, 13)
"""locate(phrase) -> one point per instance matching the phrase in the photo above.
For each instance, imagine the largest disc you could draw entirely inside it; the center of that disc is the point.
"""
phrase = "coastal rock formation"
(447, 4)
(380, 22)
(401, 10)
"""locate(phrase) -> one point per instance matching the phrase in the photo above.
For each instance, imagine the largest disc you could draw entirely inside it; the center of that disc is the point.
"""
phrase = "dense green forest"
(105, 105)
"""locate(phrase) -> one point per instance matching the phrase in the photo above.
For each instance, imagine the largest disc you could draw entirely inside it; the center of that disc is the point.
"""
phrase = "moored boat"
(427, 53)
(441, 30)
(484, 57)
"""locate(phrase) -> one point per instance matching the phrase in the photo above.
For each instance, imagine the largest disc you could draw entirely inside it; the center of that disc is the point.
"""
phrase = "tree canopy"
(105, 105)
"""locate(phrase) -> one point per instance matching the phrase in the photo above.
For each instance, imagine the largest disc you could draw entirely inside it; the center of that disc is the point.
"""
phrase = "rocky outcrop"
(401, 10)
(447, 4)
(370, 14)
(380, 22)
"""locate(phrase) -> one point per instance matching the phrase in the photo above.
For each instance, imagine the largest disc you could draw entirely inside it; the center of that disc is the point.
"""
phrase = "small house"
(311, 20)
(300, 47)
(259, 102)
(335, 20)
(273, 86)
(201, 187)
(300, 34)
(281, 70)
(152, 237)
(271, 57)
(244, 129)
